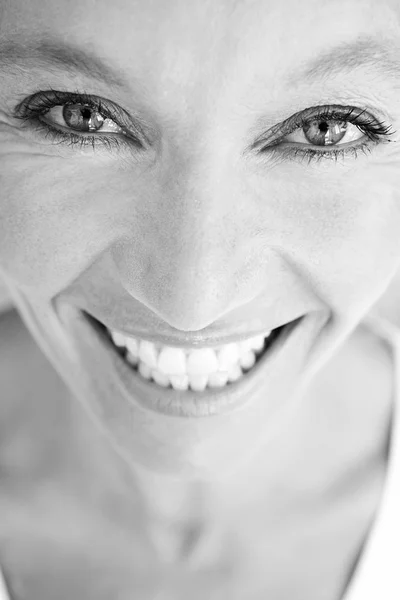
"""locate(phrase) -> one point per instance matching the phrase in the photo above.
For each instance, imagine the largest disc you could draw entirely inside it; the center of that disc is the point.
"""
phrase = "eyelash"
(376, 132)
(31, 112)
(42, 102)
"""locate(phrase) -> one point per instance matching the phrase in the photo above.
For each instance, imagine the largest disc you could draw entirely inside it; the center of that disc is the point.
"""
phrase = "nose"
(195, 260)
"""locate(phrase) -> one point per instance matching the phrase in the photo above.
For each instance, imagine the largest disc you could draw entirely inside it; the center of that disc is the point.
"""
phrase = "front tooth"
(227, 356)
(172, 361)
(118, 339)
(148, 353)
(198, 382)
(202, 362)
(179, 382)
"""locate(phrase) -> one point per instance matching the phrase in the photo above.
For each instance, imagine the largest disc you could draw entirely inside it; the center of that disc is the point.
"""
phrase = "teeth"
(197, 368)
(172, 361)
(202, 362)
(148, 354)
(218, 379)
(131, 359)
(119, 339)
(132, 346)
(247, 360)
(255, 343)
(259, 341)
(179, 382)
(234, 373)
(198, 382)
(144, 370)
(227, 356)
(160, 378)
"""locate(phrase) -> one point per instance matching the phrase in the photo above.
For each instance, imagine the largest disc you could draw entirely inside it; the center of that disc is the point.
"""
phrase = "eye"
(80, 121)
(325, 132)
(81, 118)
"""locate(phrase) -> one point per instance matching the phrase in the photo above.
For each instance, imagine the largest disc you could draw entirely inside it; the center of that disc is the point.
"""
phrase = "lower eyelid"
(298, 154)
(328, 148)
(77, 141)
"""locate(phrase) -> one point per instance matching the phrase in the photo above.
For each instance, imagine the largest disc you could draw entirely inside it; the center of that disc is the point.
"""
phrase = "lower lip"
(190, 404)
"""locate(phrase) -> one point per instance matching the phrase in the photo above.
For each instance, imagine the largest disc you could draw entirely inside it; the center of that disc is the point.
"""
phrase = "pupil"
(81, 117)
(86, 113)
(324, 133)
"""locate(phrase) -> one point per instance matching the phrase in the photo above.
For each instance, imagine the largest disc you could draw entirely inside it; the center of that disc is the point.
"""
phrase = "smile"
(191, 382)
(195, 369)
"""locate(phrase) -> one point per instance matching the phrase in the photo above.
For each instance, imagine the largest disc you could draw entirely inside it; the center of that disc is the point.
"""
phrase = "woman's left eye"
(320, 132)
(326, 133)
(81, 118)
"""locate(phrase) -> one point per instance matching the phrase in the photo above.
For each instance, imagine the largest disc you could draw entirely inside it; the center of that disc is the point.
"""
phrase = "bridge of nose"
(190, 264)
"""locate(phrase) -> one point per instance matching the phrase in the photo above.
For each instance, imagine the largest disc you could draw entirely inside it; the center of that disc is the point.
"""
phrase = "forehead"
(180, 34)
(180, 54)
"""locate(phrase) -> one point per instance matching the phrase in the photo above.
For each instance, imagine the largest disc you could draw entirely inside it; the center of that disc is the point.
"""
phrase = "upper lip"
(189, 340)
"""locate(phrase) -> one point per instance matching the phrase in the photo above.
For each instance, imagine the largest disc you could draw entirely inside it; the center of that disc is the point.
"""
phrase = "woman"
(198, 208)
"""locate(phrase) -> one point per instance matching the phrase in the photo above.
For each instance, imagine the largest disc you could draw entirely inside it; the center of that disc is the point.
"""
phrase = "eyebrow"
(49, 54)
(52, 54)
(383, 57)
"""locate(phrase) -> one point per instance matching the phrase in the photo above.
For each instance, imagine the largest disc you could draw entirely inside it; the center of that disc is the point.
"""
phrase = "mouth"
(191, 382)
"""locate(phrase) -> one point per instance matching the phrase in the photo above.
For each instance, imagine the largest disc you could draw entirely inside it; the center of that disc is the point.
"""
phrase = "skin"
(195, 231)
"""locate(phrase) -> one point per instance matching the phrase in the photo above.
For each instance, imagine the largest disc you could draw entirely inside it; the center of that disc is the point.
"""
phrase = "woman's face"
(252, 183)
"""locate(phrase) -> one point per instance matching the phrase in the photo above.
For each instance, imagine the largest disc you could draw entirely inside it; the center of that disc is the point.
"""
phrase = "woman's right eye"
(73, 118)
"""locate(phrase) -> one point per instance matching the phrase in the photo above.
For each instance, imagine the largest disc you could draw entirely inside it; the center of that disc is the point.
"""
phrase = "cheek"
(346, 234)
(52, 229)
